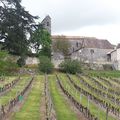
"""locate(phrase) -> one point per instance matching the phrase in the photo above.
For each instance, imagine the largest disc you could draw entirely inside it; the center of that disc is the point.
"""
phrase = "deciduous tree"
(41, 41)
(61, 44)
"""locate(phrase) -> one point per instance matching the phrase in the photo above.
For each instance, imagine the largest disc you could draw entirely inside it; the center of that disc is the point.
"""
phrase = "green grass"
(62, 108)
(92, 84)
(93, 108)
(7, 80)
(14, 91)
(31, 107)
(104, 73)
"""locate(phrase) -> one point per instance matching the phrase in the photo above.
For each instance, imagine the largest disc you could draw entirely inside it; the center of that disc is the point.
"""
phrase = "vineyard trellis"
(50, 112)
(5, 109)
(78, 105)
(8, 86)
(103, 93)
(97, 100)
(98, 82)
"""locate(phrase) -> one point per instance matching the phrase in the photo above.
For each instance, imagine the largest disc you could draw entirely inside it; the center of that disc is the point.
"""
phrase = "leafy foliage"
(15, 25)
(6, 66)
(104, 73)
(21, 61)
(46, 51)
(61, 44)
(45, 65)
(70, 66)
(41, 40)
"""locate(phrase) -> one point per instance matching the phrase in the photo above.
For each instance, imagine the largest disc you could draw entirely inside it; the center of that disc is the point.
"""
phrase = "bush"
(107, 67)
(7, 66)
(21, 61)
(45, 65)
(71, 66)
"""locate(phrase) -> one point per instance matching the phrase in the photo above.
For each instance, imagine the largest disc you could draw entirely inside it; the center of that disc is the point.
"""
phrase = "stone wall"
(118, 54)
(57, 58)
(91, 55)
(115, 58)
(32, 61)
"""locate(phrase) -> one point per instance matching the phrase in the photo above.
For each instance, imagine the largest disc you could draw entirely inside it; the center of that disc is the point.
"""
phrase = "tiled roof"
(89, 42)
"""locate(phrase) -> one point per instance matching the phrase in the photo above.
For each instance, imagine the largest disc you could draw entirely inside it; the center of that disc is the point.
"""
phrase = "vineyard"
(60, 97)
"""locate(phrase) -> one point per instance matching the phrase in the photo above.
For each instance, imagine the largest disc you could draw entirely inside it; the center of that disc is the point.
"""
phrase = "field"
(59, 96)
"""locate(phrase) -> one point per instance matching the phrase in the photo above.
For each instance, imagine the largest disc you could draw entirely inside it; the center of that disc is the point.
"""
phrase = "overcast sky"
(93, 18)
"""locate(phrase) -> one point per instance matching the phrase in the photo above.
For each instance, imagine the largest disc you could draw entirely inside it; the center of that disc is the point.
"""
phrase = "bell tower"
(46, 23)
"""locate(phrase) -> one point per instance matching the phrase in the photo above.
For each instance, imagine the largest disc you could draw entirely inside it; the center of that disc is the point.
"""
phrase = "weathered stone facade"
(85, 54)
(86, 49)
(32, 61)
(46, 23)
(115, 57)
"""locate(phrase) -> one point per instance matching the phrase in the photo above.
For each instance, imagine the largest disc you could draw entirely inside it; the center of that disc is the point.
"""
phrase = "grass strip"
(62, 108)
(84, 100)
(14, 91)
(31, 107)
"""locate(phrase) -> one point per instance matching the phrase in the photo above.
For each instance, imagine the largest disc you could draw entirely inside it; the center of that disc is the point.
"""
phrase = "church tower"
(46, 23)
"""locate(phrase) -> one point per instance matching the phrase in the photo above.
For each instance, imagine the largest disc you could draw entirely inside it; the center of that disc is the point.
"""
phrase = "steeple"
(46, 23)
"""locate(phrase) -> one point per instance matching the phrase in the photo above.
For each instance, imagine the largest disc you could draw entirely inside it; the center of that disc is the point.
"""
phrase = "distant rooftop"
(89, 42)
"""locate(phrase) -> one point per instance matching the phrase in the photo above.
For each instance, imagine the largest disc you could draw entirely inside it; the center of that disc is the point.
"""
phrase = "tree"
(45, 64)
(61, 44)
(15, 25)
(41, 41)
(45, 51)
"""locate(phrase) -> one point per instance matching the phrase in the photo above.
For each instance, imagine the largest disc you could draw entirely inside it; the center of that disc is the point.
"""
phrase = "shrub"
(70, 66)
(45, 65)
(107, 67)
(7, 66)
(21, 61)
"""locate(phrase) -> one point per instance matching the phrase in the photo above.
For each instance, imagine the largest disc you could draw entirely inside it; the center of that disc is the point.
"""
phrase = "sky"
(90, 18)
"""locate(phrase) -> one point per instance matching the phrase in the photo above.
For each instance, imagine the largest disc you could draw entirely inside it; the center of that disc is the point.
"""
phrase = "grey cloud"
(74, 14)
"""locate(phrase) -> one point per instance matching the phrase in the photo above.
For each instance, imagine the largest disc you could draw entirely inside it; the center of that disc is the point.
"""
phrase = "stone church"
(85, 49)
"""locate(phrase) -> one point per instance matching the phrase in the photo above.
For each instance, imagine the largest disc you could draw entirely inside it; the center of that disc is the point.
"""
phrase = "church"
(86, 49)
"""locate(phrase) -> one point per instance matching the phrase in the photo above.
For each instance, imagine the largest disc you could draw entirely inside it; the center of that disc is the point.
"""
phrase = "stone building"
(114, 57)
(46, 23)
(86, 49)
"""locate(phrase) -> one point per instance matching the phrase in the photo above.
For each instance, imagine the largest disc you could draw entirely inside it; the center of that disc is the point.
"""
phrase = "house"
(114, 57)
(85, 49)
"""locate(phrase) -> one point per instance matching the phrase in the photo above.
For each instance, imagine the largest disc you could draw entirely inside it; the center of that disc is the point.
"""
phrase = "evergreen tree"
(15, 24)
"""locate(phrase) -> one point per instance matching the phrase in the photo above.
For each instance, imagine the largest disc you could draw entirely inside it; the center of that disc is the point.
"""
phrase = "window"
(91, 51)
(48, 24)
(76, 44)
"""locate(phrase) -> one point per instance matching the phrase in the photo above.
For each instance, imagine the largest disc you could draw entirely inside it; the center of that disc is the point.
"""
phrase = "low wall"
(32, 61)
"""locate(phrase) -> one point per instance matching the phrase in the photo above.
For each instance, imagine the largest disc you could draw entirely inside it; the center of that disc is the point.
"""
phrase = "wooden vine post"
(107, 111)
